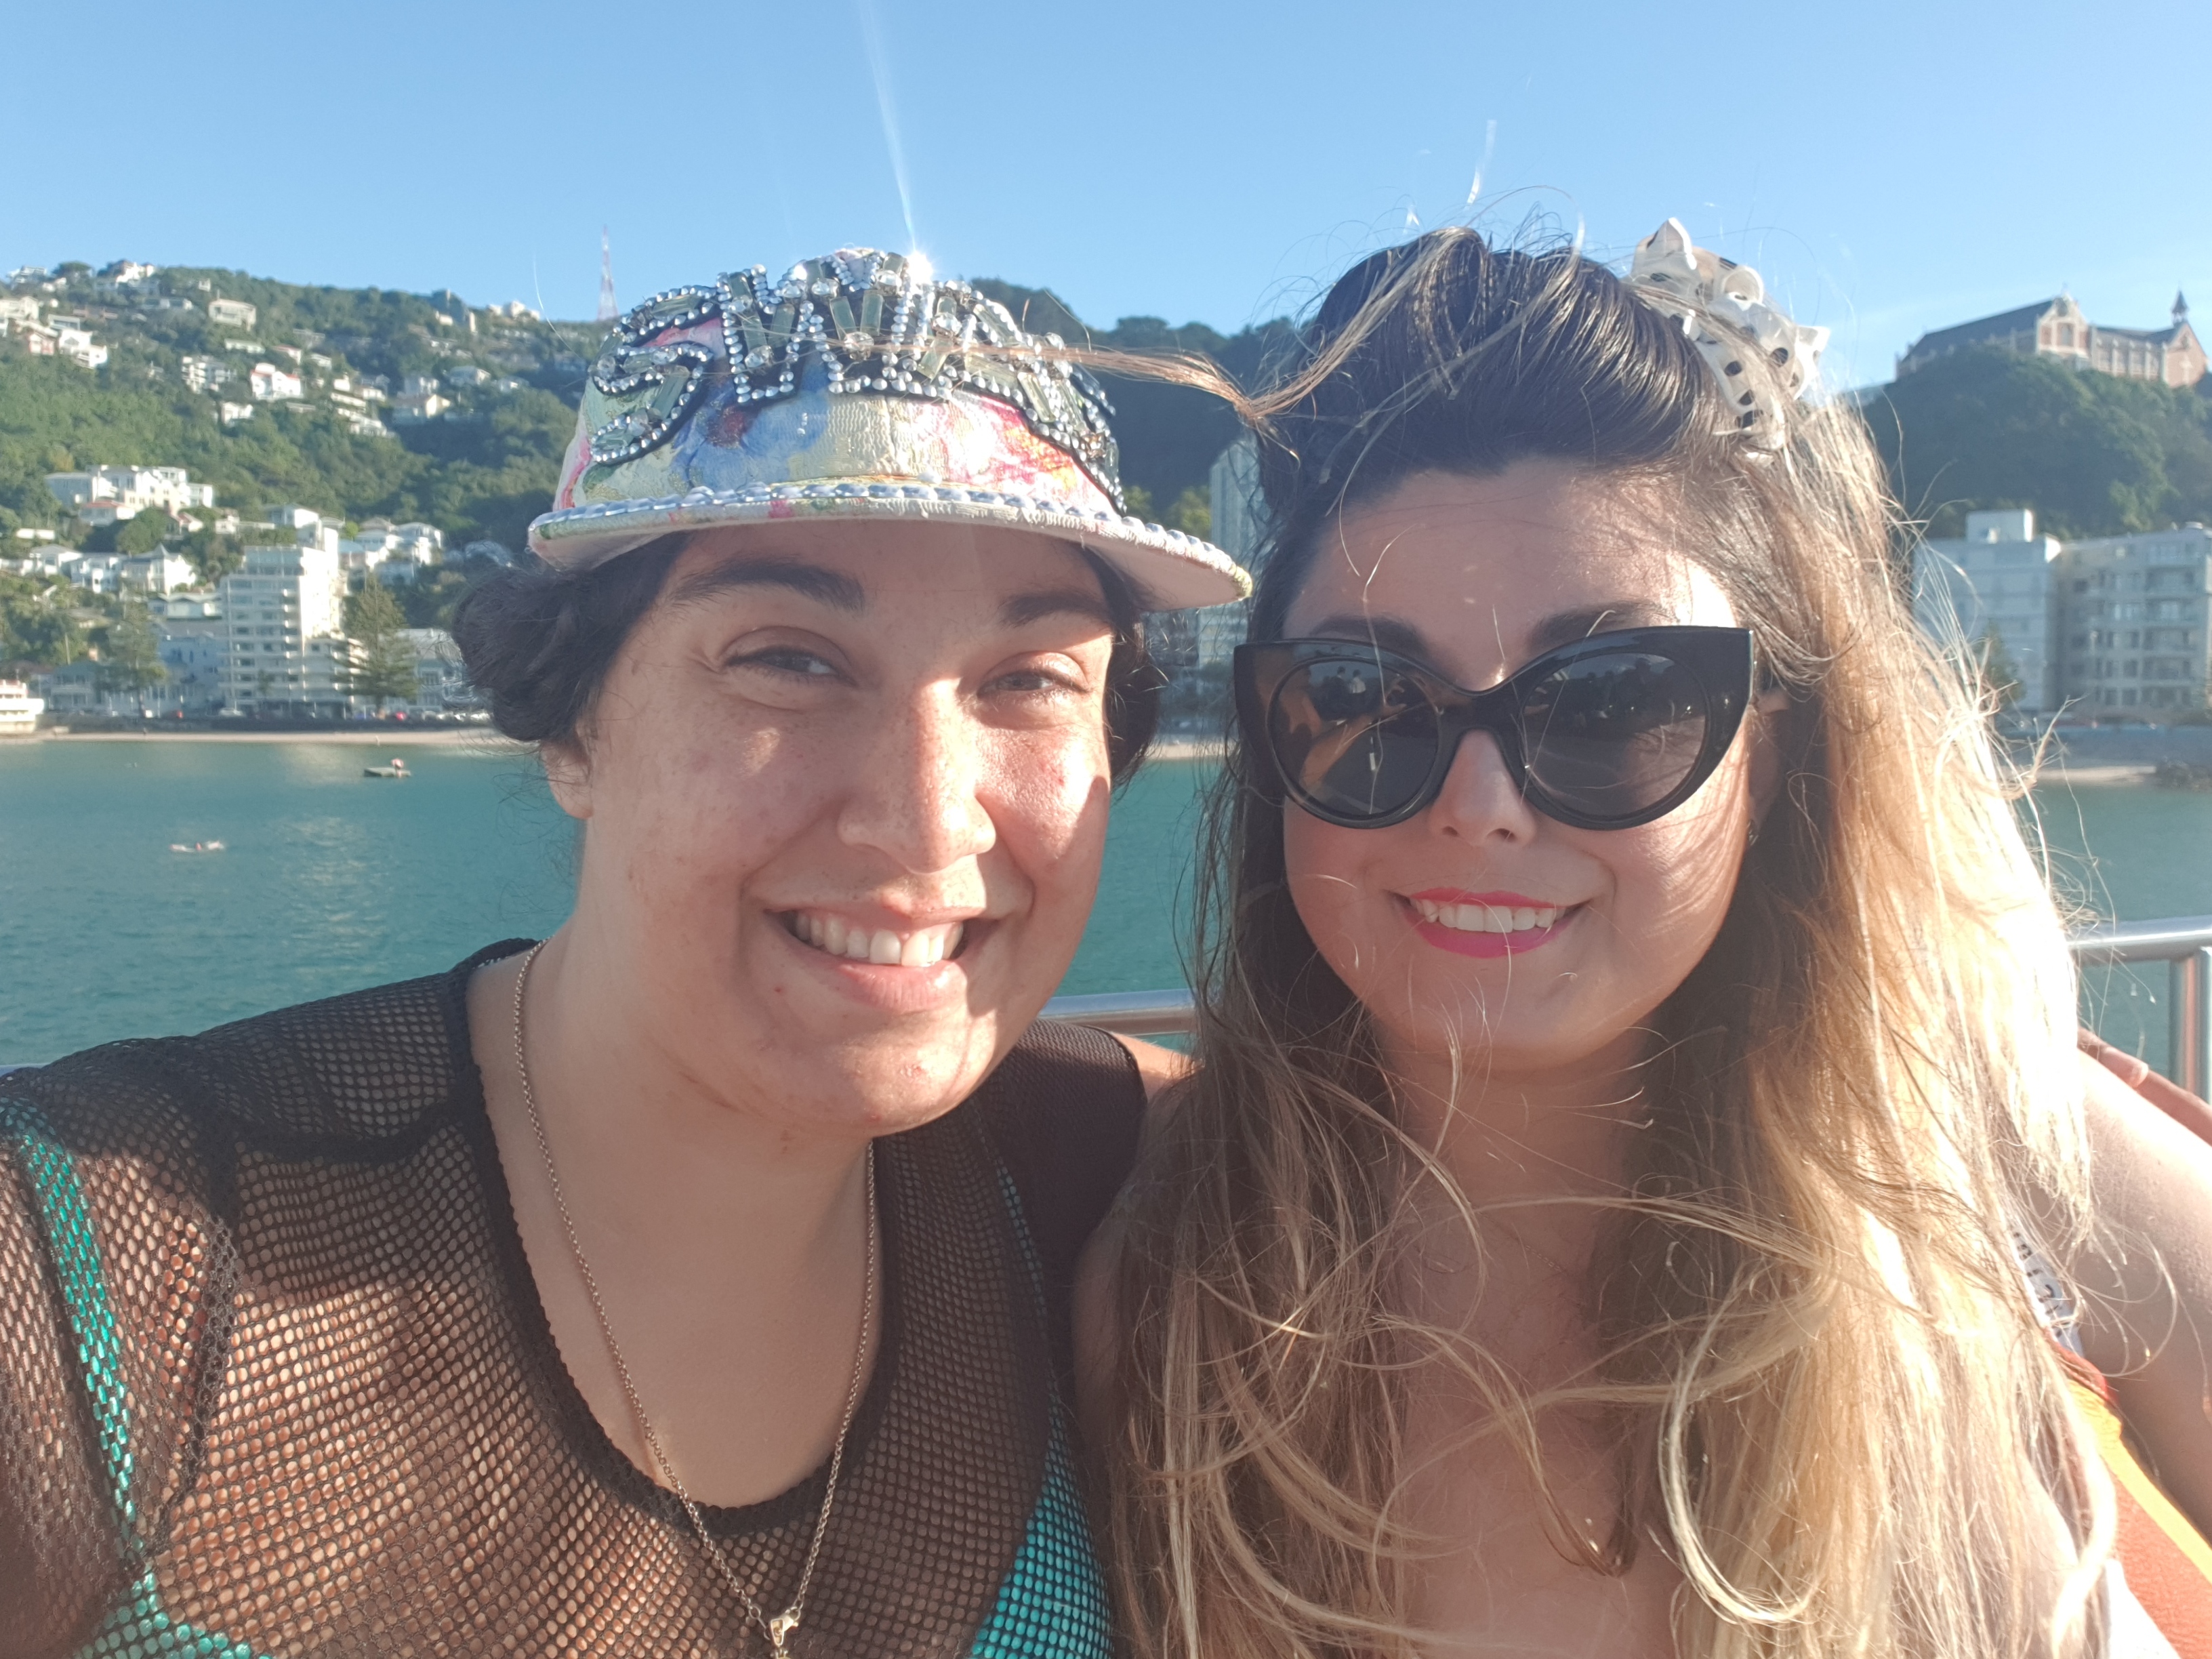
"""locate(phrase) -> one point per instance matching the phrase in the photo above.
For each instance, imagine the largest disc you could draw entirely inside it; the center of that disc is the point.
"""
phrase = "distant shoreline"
(1187, 749)
(383, 737)
(2086, 775)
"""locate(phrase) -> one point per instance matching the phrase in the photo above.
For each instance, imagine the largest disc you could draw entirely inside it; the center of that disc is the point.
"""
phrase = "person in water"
(1636, 1053)
(695, 1281)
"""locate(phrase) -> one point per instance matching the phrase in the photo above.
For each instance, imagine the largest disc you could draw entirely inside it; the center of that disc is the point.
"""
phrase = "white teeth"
(1487, 918)
(924, 948)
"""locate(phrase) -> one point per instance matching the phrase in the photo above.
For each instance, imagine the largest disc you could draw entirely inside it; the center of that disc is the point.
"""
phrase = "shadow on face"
(845, 793)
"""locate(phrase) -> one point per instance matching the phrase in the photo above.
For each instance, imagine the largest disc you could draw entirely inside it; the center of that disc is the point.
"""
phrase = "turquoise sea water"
(330, 881)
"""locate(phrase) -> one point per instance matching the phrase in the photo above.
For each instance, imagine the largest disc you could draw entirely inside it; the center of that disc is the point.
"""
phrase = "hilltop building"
(1995, 584)
(2056, 328)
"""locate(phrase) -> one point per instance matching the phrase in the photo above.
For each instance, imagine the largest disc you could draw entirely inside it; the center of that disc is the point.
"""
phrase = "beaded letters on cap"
(1723, 307)
(854, 386)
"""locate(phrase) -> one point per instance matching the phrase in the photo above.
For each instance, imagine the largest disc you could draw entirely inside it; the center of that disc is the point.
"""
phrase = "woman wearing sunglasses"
(1639, 1053)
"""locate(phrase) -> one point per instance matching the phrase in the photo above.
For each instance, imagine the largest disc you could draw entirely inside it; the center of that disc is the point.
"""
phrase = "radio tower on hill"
(607, 311)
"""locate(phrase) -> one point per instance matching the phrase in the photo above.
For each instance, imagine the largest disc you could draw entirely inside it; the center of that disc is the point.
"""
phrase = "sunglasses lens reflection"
(1612, 736)
(1355, 739)
(1607, 736)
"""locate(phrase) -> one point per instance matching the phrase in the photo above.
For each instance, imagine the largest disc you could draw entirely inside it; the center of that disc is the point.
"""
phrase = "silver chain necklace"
(777, 1630)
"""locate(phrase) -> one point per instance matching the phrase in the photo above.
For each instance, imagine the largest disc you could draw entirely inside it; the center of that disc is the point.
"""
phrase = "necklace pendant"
(780, 1628)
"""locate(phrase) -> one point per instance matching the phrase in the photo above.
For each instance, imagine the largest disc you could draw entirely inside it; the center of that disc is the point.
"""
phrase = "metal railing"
(2184, 943)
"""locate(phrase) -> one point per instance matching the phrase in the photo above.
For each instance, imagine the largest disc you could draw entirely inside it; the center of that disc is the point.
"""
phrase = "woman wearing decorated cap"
(694, 1281)
(1638, 1054)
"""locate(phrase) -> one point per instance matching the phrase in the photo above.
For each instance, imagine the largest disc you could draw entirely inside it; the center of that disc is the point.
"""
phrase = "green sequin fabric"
(274, 1379)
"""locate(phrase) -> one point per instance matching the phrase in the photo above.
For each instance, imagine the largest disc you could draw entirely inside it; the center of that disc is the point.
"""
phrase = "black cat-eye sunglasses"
(1606, 733)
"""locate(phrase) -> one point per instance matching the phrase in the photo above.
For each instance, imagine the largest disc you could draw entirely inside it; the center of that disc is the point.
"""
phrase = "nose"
(914, 795)
(1479, 800)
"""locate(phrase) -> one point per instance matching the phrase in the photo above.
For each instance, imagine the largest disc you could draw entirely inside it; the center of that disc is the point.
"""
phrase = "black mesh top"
(275, 1379)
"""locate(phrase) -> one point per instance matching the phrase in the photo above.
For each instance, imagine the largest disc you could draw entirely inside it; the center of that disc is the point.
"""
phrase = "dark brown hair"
(539, 642)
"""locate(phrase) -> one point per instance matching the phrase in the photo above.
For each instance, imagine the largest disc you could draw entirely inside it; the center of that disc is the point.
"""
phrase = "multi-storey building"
(2056, 328)
(2131, 618)
(1992, 588)
(285, 650)
(1240, 524)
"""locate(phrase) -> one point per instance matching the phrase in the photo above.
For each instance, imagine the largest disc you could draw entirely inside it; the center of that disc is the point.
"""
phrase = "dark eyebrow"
(831, 587)
(1567, 626)
(1562, 627)
(1389, 632)
(1025, 608)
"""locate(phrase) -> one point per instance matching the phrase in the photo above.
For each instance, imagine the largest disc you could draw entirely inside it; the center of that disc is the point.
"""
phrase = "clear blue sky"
(1890, 168)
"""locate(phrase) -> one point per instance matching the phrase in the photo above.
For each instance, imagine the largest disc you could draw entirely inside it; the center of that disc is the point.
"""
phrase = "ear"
(567, 763)
(1770, 716)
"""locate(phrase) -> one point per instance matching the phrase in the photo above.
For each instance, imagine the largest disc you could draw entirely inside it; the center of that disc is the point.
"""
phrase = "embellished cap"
(852, 387)
(1723, 307)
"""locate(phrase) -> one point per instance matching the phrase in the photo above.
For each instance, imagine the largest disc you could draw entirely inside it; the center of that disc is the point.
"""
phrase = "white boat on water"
(19, 709)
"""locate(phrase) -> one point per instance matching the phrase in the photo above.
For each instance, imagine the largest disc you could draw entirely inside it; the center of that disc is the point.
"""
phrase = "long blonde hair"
(1838, 1412)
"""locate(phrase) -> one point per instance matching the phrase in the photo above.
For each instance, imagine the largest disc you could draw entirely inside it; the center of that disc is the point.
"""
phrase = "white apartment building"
(395, 552)
(234, 313)
(441, 680)
(1996, 582)
(271, 384)
(106, 494)
(2131, 615)
(203, 374)
(193, 650)
(285, 648)
(1240, 524)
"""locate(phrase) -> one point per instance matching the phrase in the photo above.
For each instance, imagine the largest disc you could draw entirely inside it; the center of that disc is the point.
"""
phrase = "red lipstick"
(1479, 940)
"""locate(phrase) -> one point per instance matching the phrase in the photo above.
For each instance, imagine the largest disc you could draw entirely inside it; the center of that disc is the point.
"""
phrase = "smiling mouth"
(883, 947)
(1490, 918)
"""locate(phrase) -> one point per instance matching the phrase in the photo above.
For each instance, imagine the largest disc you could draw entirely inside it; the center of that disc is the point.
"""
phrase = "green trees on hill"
(2094, 454)
(484, 475)
(1170, 434)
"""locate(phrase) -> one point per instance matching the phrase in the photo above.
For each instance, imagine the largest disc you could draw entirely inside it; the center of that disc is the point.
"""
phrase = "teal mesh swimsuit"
(275, 1380)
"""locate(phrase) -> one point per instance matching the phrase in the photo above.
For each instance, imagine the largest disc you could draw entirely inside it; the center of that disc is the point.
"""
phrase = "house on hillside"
(2056, 328)
(271, 384)
(236, 313)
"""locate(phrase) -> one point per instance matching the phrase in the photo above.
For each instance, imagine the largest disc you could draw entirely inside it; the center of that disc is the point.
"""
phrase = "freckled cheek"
(702, 812)
(1049, 802)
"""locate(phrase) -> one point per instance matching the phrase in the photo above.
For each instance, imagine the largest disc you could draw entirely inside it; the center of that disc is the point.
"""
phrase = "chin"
(897, 1081)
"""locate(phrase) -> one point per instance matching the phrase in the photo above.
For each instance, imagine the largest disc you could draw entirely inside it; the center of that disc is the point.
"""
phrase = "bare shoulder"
(2151, 1173)
(2147, 1288)
(1161, 1068)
